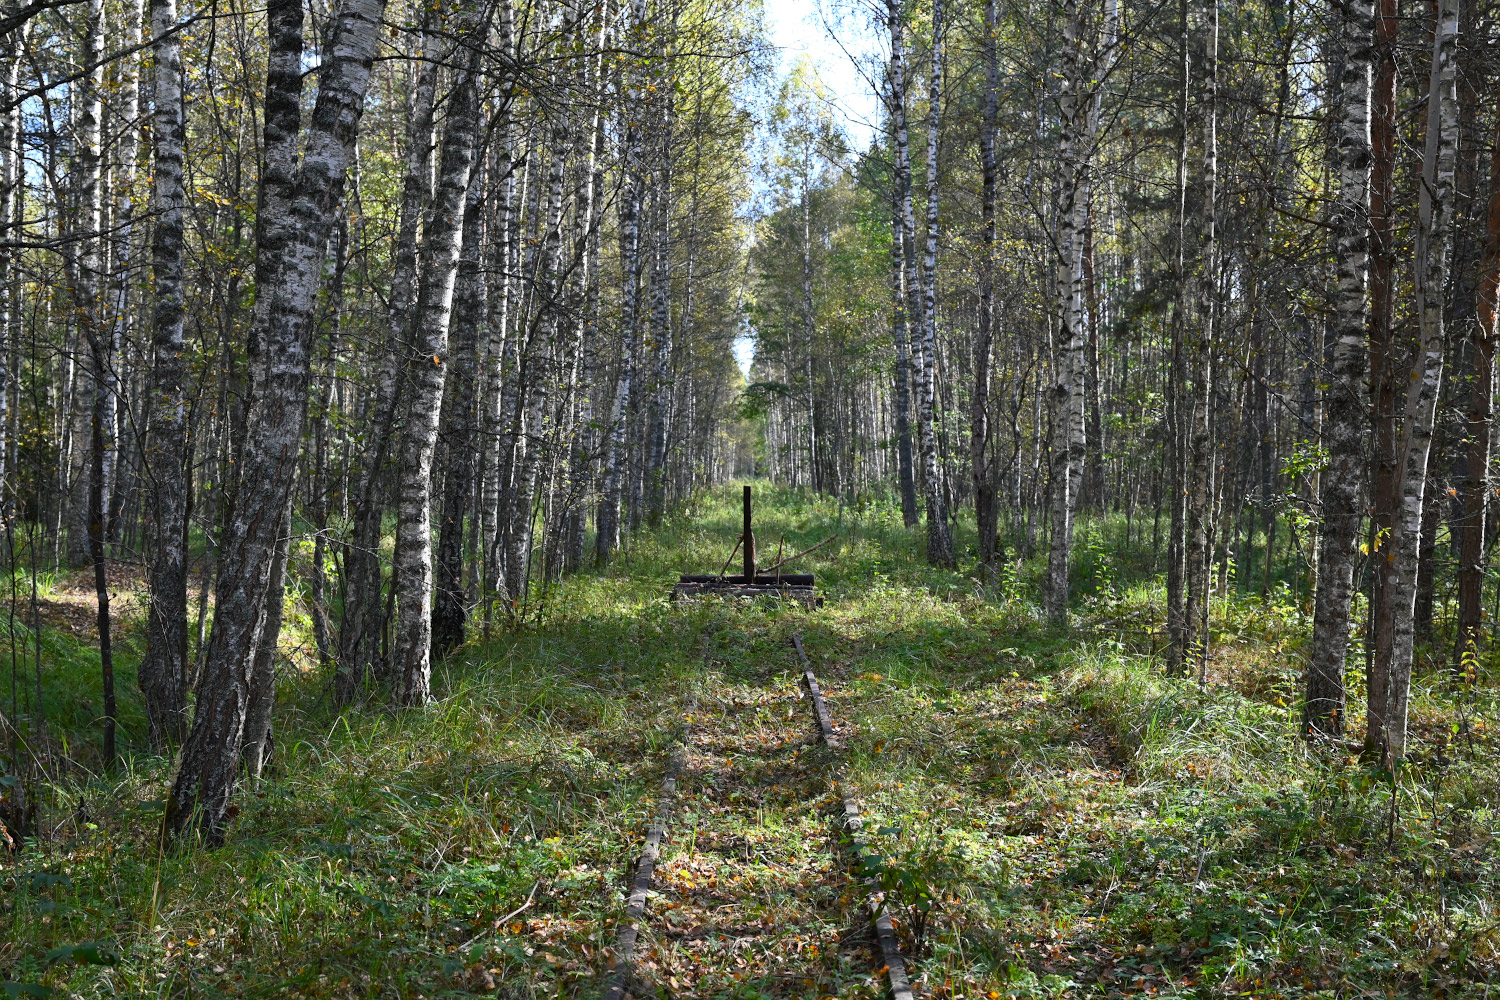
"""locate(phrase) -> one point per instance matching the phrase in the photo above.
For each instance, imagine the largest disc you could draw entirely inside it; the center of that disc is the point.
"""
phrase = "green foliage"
(1049, 814)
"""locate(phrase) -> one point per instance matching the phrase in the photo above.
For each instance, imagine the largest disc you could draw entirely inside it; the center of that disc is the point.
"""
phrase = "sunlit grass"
(1087, 825)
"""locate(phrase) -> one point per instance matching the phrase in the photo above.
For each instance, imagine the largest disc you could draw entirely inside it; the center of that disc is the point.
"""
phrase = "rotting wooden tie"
(885, 933)
(645, 867)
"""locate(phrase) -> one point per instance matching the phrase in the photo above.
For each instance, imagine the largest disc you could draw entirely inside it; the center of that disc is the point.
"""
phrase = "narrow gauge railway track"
(629, 928)
(754, 897)
(880, 920)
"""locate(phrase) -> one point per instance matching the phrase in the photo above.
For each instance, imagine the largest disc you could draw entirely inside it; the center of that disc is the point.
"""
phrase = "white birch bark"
(607, 537)
(809, 317)
(588, 220)
(541, 376)
(495, 375)
(521, 265)
(1067, 397)
(1200, 478)
(901, 338)
(456, 427)
(939, 535)
(661, 326)
(87, 268)
(118, 314)
(427, 368)
(986, 513)
(205, 780)
(1345, 416)
(87, 264)
(905, 222)
(363, 617)
(11, 177)
(1434, 221)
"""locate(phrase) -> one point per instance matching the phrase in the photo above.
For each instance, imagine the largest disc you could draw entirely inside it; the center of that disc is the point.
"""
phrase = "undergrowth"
(1053, 815)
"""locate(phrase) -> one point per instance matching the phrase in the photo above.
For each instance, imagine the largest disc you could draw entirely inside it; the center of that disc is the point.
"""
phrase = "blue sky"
(829, 38)
(806, 28)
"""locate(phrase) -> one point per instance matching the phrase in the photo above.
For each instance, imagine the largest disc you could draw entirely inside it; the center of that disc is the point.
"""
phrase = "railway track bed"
(751, 893)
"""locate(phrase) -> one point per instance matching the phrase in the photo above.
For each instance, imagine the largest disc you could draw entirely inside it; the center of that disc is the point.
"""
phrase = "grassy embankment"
(1086, 825)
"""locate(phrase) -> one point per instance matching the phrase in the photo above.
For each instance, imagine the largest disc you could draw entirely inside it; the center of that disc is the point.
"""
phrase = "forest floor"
(1082, 824)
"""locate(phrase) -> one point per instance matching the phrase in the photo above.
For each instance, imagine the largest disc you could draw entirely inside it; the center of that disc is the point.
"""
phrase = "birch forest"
(1117, 390)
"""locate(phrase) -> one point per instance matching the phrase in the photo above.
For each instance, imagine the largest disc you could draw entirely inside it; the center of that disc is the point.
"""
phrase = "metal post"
(749, 540)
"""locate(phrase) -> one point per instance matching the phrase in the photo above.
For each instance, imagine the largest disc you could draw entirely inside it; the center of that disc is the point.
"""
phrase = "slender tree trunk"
(1385, 476)
(900, 336)
(363, 620)
(497, 374)
(319, 489)
(661, 325)
(1343, 421)
(426, 376)
(1200, 459)
(456, 427)
(589, 219)
(1068, 443)
(939, 534)
(913, 326)
(542, 367)
(986, 512)
(1178, 617)
(164, 668)
(1092, 477)
(1476, 494)
(84, 279)
(97, 526)
(809, 322)
(607, 522)
(1434, 216)
(257, 743)
(12, 179)
(294, 236)
(118, 316)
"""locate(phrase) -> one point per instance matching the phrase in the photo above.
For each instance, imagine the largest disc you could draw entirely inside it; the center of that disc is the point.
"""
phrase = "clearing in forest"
(1054, 817)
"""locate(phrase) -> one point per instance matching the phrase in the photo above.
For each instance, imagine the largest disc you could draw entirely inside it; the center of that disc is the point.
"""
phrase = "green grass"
(1086, 825)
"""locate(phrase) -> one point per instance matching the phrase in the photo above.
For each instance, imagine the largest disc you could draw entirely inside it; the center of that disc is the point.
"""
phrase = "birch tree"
(939, 534)
(607, 530)
(1200, 476)
(363, 620)
(205, 778)
(1434, 218)
(427, 367)
(1344, 414)
(986, 512)
(164, 668)
(912, 328)
(1068, 444)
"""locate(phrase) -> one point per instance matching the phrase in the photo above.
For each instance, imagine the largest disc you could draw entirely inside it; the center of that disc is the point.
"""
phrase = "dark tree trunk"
(1384, 359)
(1472, 548)
(163, 672)
(450, 600)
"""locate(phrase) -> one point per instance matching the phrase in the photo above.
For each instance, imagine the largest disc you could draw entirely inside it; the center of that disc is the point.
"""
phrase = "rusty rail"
(645, 866)
(880, 919)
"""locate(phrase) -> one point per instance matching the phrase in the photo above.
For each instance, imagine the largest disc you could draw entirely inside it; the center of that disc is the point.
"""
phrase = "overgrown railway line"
(733, 907)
